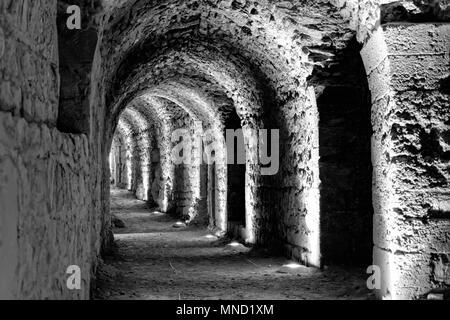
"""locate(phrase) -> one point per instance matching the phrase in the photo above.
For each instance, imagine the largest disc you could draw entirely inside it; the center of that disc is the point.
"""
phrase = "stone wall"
(208, 59)
(45, 221)
(408, 78)
(45, 181)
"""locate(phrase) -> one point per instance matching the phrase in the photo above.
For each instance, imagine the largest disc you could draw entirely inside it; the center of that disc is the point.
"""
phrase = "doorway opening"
(236, 171)
(345, 130)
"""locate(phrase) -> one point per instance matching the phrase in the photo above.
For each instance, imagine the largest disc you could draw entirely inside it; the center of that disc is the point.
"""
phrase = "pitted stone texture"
(206, 59)
(410, 118)
(254, 57)
(29, 60)
(52, 217)
(45, 198)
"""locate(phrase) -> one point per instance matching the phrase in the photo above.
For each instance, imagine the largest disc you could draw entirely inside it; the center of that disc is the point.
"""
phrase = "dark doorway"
(236, 175)
(345, 130)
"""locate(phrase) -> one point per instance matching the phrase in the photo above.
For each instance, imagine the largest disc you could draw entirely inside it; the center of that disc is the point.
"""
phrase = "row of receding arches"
(239, 199)
(210, 66)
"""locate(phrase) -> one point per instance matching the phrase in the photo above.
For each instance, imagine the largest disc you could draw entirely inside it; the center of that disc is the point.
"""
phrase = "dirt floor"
(154, 260)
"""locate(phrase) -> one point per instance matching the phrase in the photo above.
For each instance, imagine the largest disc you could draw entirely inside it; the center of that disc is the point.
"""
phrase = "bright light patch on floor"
(234, 244)
(179, 223)
(210, 236)
(292, 265)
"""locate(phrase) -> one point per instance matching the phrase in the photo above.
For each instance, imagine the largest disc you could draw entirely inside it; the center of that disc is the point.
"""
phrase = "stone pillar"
(216, 180)
(197, 208)
(252, 186)
(167, 170)
(408, 73)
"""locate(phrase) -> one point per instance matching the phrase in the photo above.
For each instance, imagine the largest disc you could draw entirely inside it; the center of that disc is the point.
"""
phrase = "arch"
(345, 168)
(265, 75)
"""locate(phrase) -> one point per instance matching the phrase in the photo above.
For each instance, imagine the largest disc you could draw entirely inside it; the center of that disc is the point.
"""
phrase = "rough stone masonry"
(358, 89)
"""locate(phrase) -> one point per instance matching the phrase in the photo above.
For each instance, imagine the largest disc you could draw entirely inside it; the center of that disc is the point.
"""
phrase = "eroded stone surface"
(150, 67)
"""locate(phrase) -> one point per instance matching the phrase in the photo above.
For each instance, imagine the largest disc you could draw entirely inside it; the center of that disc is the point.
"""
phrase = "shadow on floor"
(154, 260)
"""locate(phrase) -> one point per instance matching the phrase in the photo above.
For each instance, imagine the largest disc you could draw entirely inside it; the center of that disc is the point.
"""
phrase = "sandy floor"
(154, 260)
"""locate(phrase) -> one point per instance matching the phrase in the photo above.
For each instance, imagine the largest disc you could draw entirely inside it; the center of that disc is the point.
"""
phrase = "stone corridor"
(154, 260)
(314, 132)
